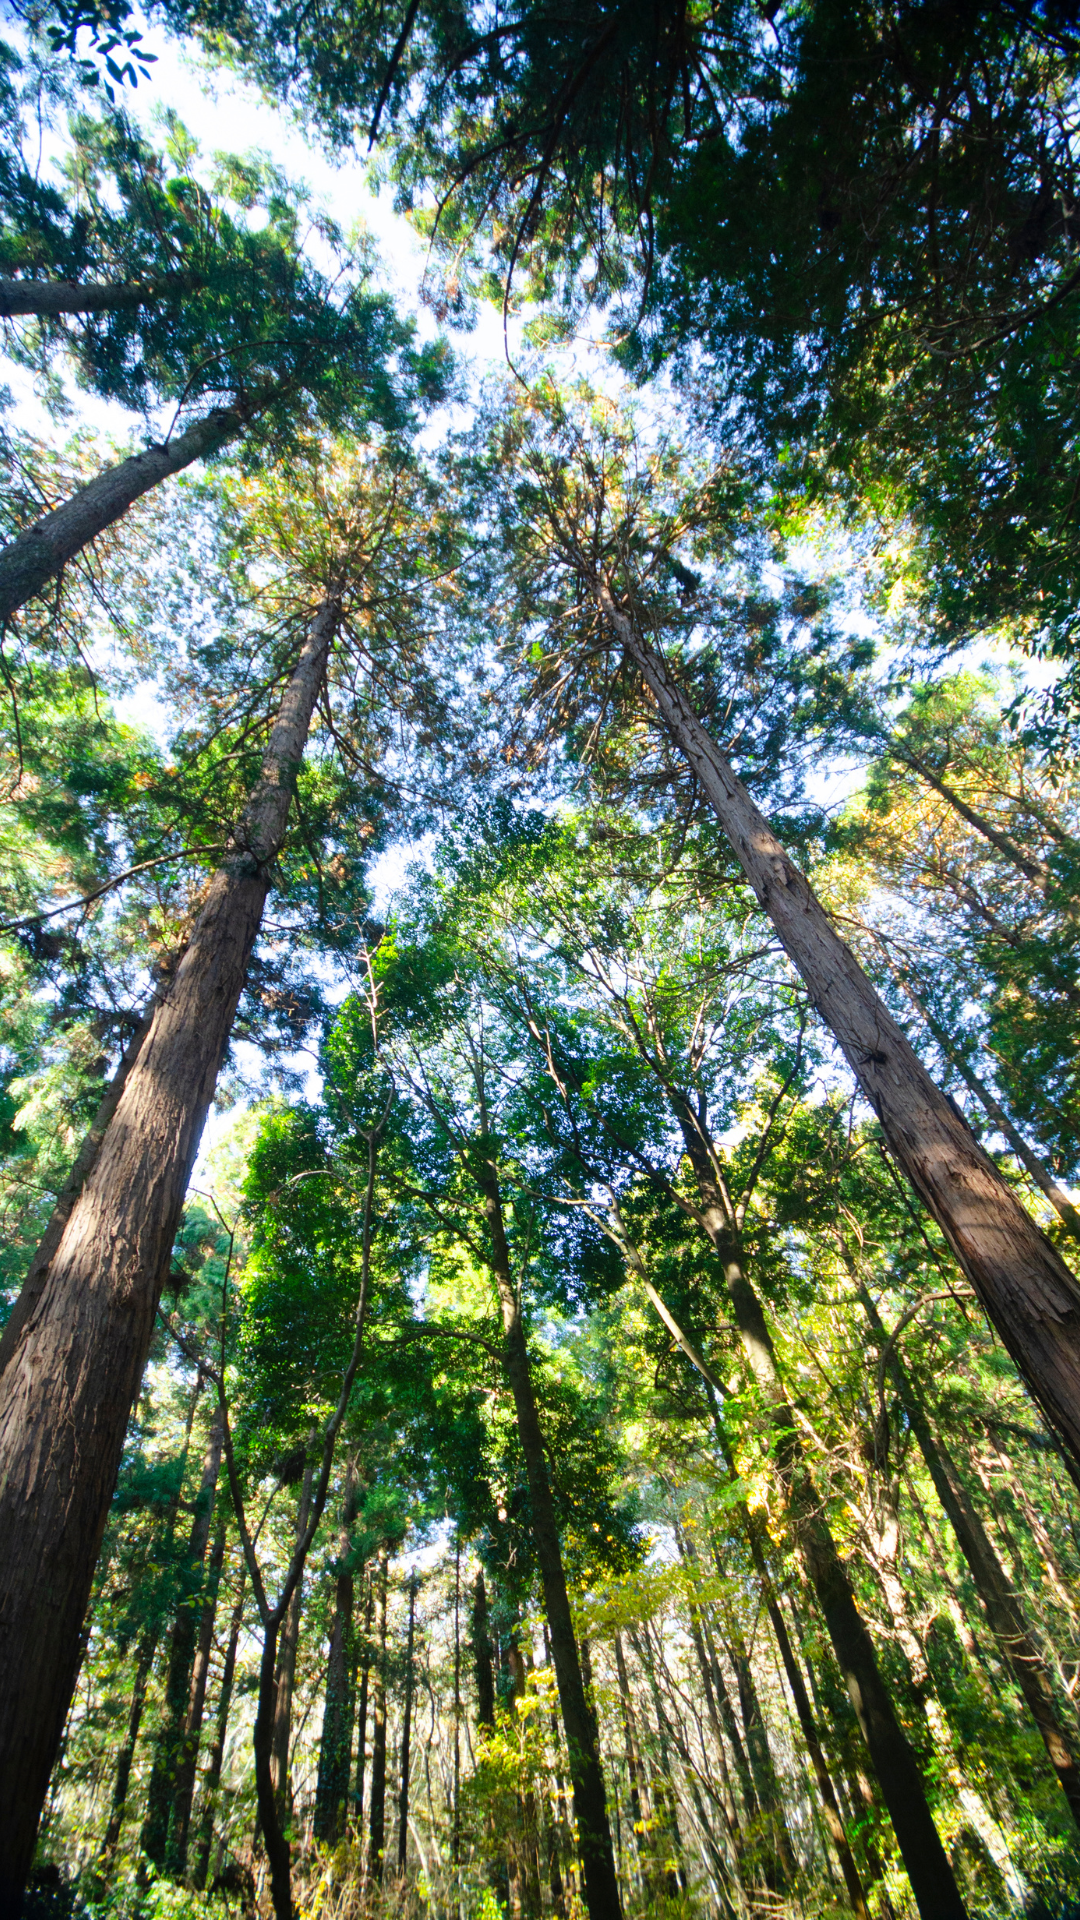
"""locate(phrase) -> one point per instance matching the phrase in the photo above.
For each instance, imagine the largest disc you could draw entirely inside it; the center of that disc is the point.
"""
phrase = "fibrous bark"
(67, 1391)
(37, 554)
(1027, 1291)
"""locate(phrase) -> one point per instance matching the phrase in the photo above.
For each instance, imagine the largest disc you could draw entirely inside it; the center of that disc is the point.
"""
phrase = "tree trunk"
(169, 1755)
(189, 1752)
(82, 1168)
(362, 1711)
(67, 1392)
(481, 1643)
(406, 1732)
(285, 1669)
(587, 1780)
(1004, 1608)
(144, 1660)
(335, 1746)
(53, 297)
(212, 1783)
(1027, 1291)
(377, 1823)
(932, 1879)
(32, 559)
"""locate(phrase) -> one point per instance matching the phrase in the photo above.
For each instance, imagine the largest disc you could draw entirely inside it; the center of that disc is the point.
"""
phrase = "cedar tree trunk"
(29, 561)
(1027, 1291)
(67, 1392)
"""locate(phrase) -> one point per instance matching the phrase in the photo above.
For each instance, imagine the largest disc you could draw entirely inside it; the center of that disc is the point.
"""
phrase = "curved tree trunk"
(32, 559)
(67, 1392)
(1027, 1291)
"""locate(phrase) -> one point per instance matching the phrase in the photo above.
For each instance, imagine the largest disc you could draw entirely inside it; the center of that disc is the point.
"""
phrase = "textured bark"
(335, 1745)
(37, 554)
(406, 1737)
(212, 1782)
(82, 1168)
(169, 1755)
(1027, 1291)
(1004, 1607)
(587, 1779)
(184, 1791)
(377, 1824)
(54, 297)
(67, 1391)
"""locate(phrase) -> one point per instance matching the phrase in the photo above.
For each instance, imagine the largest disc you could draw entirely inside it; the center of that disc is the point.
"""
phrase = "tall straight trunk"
(481, 1643)
(285, 1668)
(377, 1817)
(587, 1779)
(67, 1392)
(144, 1660)
(1003, 1605)
(925, 1859)
(335, 1745)
(184, 1789)
(82, 1168)
(406, 1734)
(455, 1837)
(53, 297)
(168, 1756)
(633, 1769)
(769, 1795)
(1028, 1293)
(362, 1710)
(36, 555)
(212, 1782)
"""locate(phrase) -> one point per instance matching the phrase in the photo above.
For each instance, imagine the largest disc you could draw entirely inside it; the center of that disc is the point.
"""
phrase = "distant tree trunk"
(144, 1660)
(481, 1643)
(335, 1746)
(66, 1393)
(769, 1796)
(925, 1859)
(189, 1749)
(362, 1709)
(1027, 1291)
(587, 1779)
(169, 1754)
(1004, 1608)
(455, 1838)
(212, 1783)
(377, 1823)
(36, 555)
(285, 1669)
(406, 1733)
(633, 1770)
